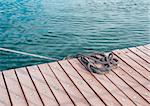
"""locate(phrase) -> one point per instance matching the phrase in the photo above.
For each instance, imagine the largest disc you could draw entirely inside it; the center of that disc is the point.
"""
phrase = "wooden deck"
(68, 83)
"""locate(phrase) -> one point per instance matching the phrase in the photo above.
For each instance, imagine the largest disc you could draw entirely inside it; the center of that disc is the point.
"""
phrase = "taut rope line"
(29, 54)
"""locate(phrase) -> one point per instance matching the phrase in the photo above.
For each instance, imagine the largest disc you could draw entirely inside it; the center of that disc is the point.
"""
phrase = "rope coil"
(92, 62)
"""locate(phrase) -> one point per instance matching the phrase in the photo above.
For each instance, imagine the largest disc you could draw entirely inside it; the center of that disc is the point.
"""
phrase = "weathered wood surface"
(67, 83)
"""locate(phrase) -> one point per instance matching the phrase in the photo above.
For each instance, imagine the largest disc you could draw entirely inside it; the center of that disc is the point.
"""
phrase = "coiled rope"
(96, 62)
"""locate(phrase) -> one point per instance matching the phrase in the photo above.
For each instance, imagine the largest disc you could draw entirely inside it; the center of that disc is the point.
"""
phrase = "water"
(56, 28)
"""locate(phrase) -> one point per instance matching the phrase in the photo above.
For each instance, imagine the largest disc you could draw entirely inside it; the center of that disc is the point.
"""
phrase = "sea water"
(57, 28)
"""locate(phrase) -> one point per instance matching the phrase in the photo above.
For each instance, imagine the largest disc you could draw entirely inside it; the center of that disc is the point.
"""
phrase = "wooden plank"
(68, 85)
(144, 50)
(28, 87)
(140, 54)
(134, 79)
(119, 95)
(137, 59)
(4, 96)
(134, 74)
(14, 89)
(56, 87)
(133, 83)
(88, 93)
(133, 64)
(134, 96)
(44, 91)
(108, 99)
(147, 46)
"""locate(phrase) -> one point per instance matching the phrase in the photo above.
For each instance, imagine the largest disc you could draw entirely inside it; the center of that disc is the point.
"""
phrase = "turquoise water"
(56, 28)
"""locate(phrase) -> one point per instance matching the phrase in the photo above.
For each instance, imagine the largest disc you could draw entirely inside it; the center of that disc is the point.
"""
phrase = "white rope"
(29, 54)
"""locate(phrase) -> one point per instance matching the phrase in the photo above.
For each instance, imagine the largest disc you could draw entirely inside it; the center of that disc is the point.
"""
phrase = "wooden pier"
(68, 83)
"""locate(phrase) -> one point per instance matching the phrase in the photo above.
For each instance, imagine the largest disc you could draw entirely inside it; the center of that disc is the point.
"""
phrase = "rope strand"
(29, 54)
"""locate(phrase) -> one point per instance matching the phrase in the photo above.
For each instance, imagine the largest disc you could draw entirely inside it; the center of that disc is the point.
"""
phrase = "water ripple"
(56, 28)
